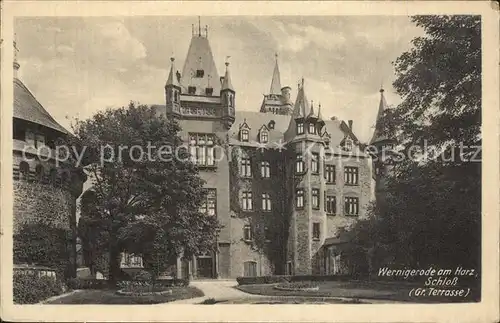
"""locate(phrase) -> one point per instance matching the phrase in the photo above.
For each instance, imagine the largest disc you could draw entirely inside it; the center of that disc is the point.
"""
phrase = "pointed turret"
(301, 105)
(378, 133)
(276, 82)
(172, 91)
(320, 122)
(311, 114)
(227, 95)
(226, 83)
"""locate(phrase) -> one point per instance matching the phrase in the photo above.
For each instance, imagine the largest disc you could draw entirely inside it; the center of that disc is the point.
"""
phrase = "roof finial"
(199, 26)
(276, 55)
(16, 50)
(302, 81)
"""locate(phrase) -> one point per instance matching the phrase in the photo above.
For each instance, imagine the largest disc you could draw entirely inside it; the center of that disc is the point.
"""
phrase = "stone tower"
(278, 100)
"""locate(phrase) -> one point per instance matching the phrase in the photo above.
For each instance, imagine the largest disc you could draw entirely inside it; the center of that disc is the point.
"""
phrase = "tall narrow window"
(246, 201)
(264, 136)
(315, 198)
(266, 202)
(347, 146)
(315, 163)
(330, 174)
(246, 167)
(267, 234)
(209, 203)
(316, 231)
(40, 140)
(209, 91)
(24, 170)
(39, 173)
(299, 164)
(299, 198)
(312, 128)
(30, 139)
(191, 89)
(265, 169)
(244, 135)
(351, 175)
(201, 149)
(247, 232)
(351, 206)
(300, 128)
(330, 204)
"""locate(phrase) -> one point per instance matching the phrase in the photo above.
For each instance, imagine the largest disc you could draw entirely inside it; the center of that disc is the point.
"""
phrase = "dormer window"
(200, 73)
(347, 144)
(209, 91)
(191, 89)
(312, 128)
(264, 136)
(300, 128)
(244, 135)
(271, 124)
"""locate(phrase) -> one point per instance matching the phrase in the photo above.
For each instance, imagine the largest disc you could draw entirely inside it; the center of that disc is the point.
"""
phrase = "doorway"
(205, 267)
(250, 269)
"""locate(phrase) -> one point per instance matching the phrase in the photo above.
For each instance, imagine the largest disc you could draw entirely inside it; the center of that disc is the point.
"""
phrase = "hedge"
(285, 278)
(91, 283)
(31, 289)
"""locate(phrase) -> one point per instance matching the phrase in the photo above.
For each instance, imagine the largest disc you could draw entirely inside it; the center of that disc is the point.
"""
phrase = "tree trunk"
(114, 264)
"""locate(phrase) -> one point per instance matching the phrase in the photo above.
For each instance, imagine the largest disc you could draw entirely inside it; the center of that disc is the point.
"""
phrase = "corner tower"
(277, 101)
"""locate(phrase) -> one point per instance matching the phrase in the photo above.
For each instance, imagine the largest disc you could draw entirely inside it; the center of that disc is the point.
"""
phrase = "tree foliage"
(145, 186)
(431, 211)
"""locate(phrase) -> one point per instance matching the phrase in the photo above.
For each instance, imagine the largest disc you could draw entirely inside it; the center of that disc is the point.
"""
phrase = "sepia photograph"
(273, 159)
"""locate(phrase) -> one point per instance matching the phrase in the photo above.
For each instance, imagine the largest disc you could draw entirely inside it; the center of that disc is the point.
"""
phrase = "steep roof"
(27, 107)
(172, 77)
(301, 107)
(378, 133)
(200, 57)
(226, 83)
(276, 82)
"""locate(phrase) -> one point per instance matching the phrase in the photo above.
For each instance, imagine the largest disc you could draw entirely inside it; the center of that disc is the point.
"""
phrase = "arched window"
(231, 101)
(39, 173)
(24, 171)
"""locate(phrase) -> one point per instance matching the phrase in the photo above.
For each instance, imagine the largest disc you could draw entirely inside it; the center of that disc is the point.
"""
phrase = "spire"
(320, 117)
(377, 134)
(311, 113)
(301, 104)
(172, 77)
(226, 83)
(275, 82)
(16, 63)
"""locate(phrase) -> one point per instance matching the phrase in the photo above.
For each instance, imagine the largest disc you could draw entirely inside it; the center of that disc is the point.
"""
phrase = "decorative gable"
(263, 134)
(244, 131)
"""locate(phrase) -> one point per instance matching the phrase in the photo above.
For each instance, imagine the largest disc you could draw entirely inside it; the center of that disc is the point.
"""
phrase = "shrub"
(88, 283)
(142, 275)
(298, 285)
(262, 280)
(31, 289)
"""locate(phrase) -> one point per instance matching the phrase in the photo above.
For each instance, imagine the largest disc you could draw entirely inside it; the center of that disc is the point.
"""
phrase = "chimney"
(350, 124)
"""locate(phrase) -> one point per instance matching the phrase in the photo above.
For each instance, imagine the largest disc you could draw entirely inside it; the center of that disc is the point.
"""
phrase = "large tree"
(141, 173)
(432, 209)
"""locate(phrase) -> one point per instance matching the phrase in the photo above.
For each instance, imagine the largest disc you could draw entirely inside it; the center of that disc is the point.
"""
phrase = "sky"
(78, 66)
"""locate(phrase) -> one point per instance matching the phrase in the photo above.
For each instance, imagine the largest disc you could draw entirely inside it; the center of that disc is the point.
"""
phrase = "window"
(316, 231)
(246, 201)
(312, 128)
(266, 202)
(40, 140)
(289, 268)
(315, 163)
(264, 136)
(191, 89)
(271, 124)
(351, 206)
(202, 150)
(200, 73)
(231, 101)
(299, 164)
(351, 175)
(30, 139)
(209, 91)
(265, 169)
(300, 128)
(299, 196)
(246, 167)
(176, 96)
(247, 232)
(315, 198)
(208, 205)
(330, 204)
(24, 170)
(244, 135)
(53, 176)
(330, 173)
(347, 145)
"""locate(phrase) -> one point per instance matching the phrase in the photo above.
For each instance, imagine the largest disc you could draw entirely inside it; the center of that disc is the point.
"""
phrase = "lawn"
(358, 289)
(109, 296)
(290, 300)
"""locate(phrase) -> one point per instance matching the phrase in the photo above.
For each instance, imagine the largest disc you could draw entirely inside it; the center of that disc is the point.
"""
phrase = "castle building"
(45, 185)
(283, 180)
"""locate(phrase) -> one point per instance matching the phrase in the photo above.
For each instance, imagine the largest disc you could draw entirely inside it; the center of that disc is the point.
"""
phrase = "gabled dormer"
(244, 132)
(297, 125)
(263, 134)
(311, 121)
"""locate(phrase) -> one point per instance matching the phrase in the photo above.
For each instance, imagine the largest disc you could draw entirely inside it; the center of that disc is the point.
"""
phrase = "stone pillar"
(178, 266)
(190, 269)
(195, 267)
(216, 264)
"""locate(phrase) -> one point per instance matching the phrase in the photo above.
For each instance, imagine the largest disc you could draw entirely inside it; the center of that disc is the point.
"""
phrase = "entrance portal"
(205, 266)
